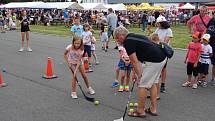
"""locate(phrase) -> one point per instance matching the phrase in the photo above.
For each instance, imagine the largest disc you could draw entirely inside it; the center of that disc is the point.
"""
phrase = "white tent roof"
(93, 6)
(63, 5)
(119, 7)
(58, 5)
(187, 6)
(21, 4)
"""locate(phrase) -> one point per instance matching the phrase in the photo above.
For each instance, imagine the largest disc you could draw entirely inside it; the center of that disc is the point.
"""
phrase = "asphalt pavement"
(29, 97)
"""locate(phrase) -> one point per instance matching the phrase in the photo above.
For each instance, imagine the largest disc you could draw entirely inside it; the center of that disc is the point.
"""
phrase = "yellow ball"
(131, 110)
(96, 102)
(131, 104)
(135, 104)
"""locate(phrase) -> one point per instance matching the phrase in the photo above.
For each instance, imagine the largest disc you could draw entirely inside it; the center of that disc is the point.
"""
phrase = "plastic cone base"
(49, 77)
(3, 85)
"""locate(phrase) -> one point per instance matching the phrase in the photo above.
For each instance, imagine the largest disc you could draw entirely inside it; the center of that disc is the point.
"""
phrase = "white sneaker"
(186, 84)
(194, 86)
(74, 95)
(29, 49)
(21, 49)
(91, 91)
(97, 62)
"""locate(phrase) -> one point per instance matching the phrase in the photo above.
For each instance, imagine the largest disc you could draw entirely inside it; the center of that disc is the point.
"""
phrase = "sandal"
(136, 114)
(150, 112)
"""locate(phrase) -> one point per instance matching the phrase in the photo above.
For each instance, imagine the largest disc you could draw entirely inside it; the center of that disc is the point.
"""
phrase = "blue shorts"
(110, 32)
(87, 49)
(104, 37)
(122, 66)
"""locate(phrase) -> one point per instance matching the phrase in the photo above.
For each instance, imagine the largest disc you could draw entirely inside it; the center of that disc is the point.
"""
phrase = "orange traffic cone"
(86, 64)
(49, 72)
(2, 83)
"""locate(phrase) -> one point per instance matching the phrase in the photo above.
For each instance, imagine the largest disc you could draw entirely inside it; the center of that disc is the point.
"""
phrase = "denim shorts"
(122, 66)
(104, 37)
(110, 32)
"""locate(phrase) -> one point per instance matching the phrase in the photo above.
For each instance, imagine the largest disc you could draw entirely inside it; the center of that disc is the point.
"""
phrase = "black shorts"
(87, 49)
(191, 69)
(203, 68)
(25, 29)
(149, 23)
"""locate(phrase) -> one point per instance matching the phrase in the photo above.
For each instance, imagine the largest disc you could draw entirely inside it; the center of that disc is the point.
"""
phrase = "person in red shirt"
(192, 58)
(198, 23)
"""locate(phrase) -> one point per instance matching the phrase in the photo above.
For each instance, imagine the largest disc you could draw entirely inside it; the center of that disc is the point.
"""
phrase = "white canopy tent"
(58, 5)
(63, 5)
(93, 6)
(119, 7)
(187, 6)
(21, 4)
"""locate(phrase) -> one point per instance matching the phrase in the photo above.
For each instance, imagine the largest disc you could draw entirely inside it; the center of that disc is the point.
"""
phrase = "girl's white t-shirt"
(87, 36)
(163, 33)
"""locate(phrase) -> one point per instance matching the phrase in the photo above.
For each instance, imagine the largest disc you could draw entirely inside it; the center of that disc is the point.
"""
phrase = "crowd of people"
(139, 55)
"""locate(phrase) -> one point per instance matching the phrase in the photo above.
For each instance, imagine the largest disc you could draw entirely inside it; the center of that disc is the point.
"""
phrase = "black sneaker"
(162, 89)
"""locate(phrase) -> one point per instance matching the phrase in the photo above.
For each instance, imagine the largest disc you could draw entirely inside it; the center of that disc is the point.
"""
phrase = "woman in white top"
(165, 34)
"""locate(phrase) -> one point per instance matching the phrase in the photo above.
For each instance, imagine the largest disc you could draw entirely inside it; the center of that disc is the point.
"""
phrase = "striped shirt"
(205, 54)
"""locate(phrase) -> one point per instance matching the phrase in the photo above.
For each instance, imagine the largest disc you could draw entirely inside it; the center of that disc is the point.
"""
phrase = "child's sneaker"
(126, 88)
(199, 83)
(97, 62)
(74, 95)
(91, 91)
(163, 89)
(21, 49)
(115, 84)
(121, 88)
(186, 84)
(194, 86)
(204, 84)
(29, 49)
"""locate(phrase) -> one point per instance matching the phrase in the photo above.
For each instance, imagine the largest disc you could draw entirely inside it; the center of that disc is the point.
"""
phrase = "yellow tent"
(143, 8)
(157, 8)
(145, 5)
(132, 7)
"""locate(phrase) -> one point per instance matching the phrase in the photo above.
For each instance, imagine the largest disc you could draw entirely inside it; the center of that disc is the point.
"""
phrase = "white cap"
(206, 37)
(160, 19)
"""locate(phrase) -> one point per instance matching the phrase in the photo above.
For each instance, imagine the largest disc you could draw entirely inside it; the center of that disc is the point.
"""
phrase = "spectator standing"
(112, 23)
(165, 34)
(144, 20)
(198, 23)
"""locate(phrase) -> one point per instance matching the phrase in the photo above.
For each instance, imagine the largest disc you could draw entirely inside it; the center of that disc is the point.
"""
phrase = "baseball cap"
(206, 37)
(161, 19)
(196, 35)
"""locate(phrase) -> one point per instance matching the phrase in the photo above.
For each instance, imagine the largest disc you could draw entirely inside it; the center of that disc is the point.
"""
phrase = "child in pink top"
(73, 56)
(192, 57)
(125, 68)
